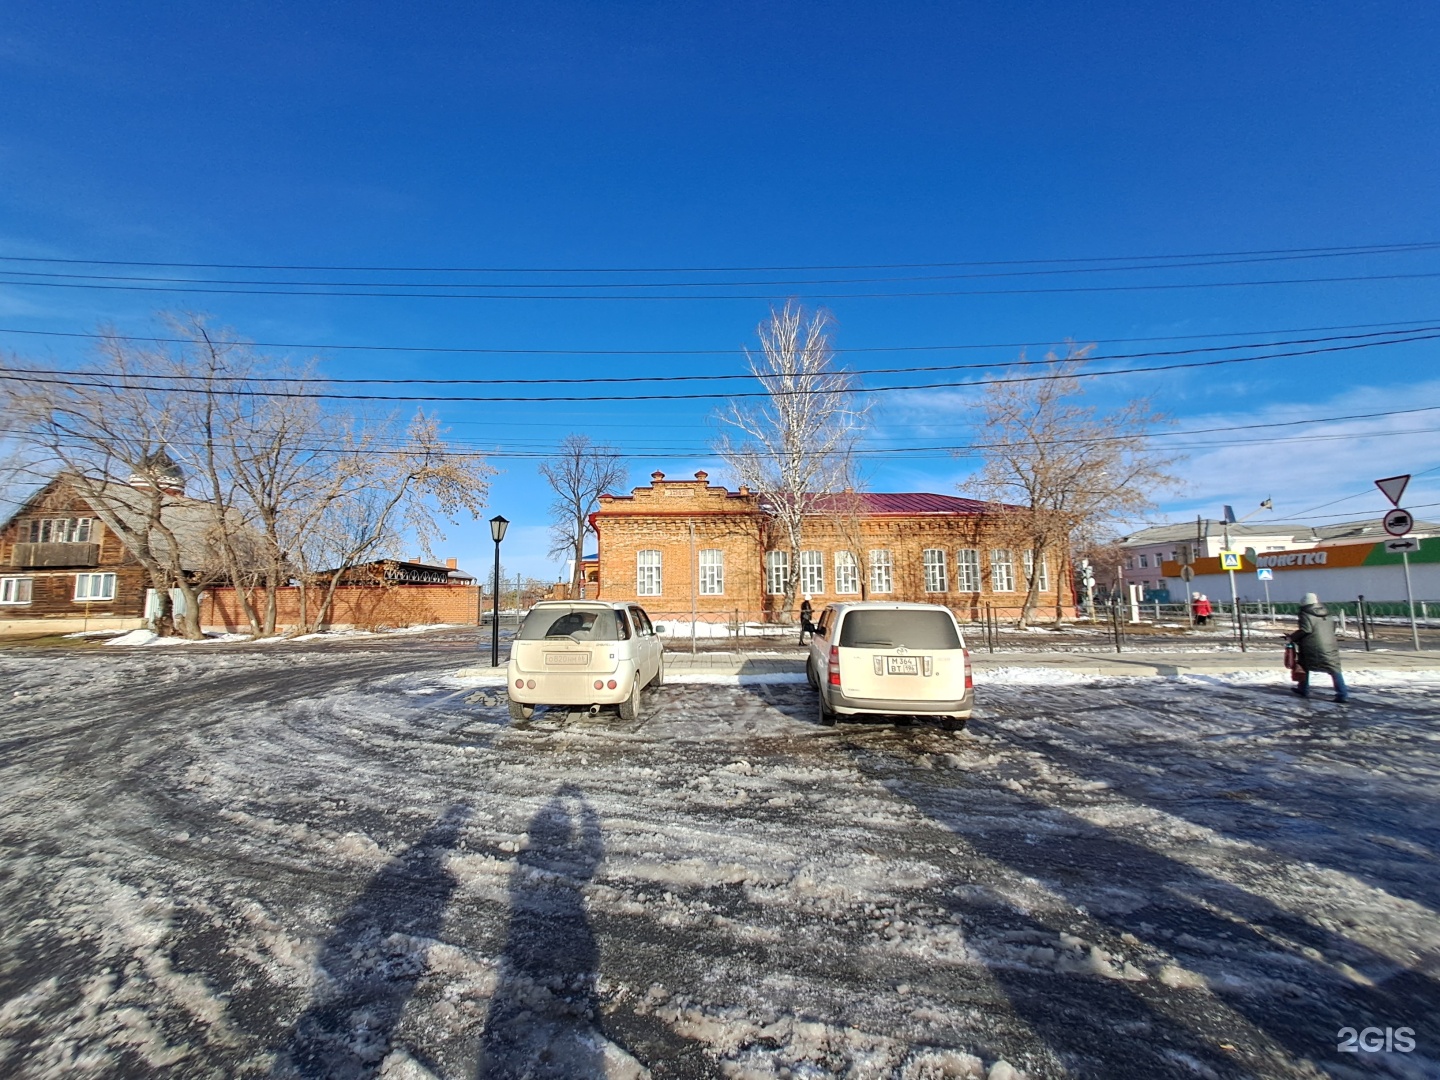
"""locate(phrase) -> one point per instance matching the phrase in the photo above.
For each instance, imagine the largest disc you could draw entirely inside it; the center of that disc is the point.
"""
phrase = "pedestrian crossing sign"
(1230, 560)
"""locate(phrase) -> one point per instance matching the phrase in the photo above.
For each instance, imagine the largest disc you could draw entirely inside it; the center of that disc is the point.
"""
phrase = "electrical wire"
(468, 351)
(909, 294)
(1309, 252)
(744, 394)
(196, 380)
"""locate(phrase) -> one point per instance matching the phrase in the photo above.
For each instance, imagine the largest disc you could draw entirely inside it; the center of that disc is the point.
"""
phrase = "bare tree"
(288, 485)
(849, 511)
(376, 497)
(112, 438)
(1063, 466)
(579, 473)
(793, 447)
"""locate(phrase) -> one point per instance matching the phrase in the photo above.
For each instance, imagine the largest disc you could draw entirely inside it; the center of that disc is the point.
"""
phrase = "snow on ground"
(352, 863)
(150, 638)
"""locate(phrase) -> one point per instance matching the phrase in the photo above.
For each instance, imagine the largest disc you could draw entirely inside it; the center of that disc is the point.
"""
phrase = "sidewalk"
(1138, 662)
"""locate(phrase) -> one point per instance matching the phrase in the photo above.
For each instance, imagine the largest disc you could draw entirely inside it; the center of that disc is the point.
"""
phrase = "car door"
(820, 643)
(648, 643)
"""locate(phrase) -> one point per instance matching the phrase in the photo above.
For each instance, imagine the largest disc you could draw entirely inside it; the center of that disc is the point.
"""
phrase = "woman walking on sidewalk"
(1317, 646)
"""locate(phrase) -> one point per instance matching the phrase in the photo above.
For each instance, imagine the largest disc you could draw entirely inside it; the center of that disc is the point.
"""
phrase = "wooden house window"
(68, 530)
(16, 590)
(94, 586)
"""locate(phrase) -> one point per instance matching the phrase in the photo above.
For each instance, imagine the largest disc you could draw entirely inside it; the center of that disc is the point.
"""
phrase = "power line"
(910, 294)
(1310, 252)
(803, 392)
(391, 446)
(201, 380)
(787, 282)
(470, 351)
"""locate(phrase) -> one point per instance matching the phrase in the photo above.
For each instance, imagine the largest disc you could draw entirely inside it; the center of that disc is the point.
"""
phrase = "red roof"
(907, 502)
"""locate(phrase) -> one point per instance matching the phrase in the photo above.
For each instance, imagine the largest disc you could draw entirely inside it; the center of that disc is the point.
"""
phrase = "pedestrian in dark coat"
(805, 625)
(1319, 651)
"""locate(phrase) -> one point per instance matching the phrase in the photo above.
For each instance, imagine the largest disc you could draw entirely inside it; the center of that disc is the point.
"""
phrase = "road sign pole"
(1268, 608)
(1235, 611)
(1410, 601)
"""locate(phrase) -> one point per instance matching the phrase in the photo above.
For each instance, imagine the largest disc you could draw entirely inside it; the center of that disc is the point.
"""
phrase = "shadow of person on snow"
(371, 963)
(543, 1019)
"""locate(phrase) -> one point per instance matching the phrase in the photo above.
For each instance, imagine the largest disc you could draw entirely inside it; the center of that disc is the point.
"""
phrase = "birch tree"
(792, 448)
(578, 474)
(1062, 466)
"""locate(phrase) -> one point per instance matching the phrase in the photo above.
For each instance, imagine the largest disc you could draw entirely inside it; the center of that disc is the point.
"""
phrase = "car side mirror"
(659, 629)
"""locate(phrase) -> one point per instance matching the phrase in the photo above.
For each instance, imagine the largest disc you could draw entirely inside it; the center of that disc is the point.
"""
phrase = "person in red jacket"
(1202, 610)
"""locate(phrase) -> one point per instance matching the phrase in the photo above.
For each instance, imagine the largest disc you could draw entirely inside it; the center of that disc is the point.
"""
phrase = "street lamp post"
(497, 533)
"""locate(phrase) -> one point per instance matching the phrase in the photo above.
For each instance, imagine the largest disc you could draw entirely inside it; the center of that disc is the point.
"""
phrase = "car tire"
(521, 712)
(824, 715)
(810, 677)
(659, 679)
(630, 707)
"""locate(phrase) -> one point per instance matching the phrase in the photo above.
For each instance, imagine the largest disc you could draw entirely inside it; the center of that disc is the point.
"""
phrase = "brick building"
(678, 546)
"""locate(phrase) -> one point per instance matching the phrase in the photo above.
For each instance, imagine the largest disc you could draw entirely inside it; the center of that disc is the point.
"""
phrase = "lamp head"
(497, 528)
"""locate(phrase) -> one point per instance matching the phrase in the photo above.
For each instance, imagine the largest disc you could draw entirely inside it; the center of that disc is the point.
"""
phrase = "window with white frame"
(777, 572)
(1043, 575)
(1144, 560)
(812, 572)
(847, 573)
(712, 572)
(967, 570)
(882, 572)
(647, 573)
(1002, 571)
(66, 530)
(935, 575)
(16, 590)
(94, 586)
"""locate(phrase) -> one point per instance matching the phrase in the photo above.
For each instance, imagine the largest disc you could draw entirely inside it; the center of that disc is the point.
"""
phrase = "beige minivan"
(583, 653)
(891, 659)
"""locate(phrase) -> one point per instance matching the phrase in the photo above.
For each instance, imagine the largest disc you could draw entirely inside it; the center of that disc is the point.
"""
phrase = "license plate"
(902, 665)
(567, 659)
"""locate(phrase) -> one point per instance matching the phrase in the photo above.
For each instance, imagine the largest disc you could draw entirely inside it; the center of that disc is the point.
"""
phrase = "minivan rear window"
(578, 624)
(892, 629)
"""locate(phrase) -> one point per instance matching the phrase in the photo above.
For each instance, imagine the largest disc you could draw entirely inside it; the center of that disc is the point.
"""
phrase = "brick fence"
(362, 607)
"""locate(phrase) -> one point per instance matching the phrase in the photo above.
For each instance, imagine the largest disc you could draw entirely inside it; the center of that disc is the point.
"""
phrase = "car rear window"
(892, 629)
(578, 624)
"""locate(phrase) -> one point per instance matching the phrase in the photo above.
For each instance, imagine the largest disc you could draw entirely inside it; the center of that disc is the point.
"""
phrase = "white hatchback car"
(896, 659)
(585, 653)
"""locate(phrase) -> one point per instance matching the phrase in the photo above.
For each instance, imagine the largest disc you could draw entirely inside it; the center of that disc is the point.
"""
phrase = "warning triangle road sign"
(1393, 487)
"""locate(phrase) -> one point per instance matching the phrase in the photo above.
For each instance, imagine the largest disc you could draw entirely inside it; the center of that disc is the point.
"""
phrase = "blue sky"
(650, 135)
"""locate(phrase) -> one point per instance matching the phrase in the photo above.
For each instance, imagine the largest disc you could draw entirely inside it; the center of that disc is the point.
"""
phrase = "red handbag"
(1292, 661)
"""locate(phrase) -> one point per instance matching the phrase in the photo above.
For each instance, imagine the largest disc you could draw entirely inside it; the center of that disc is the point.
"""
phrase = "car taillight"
(611, 684)
(529, 684)
(599, 684)
(519, 684)
(834, 665)
(969, 675)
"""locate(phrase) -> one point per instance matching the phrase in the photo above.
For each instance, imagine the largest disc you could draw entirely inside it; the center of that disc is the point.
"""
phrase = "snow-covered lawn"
(350, 862)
